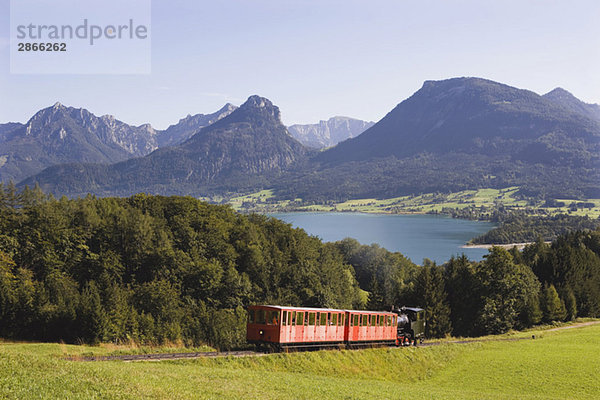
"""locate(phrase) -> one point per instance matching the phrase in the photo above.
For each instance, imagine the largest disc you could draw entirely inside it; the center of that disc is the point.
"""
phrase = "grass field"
(264, 201)
(556, 365)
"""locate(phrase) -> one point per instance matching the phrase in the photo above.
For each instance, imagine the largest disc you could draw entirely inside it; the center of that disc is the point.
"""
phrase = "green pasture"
(556, 365)
(264, 201)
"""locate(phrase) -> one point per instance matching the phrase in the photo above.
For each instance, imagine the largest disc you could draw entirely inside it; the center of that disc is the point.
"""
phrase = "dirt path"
(578, 325)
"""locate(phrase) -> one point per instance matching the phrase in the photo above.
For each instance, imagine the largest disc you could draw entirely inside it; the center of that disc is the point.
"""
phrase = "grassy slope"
(562, 364)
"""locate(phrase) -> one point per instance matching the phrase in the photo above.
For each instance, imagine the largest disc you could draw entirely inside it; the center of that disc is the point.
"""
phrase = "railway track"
(247, 353)
(168, 356)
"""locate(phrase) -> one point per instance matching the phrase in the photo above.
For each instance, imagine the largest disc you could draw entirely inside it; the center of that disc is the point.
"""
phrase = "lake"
(415, 236)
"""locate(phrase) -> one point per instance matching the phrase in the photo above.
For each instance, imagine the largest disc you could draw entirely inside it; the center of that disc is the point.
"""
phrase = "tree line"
(508, 289)
(154, 269)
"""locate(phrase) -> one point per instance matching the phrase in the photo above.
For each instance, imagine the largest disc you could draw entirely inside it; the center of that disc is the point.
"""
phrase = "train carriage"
(280, 327)
(371, 327)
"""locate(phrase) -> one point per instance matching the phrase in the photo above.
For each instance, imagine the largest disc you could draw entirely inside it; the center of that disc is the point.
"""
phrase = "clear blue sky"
(320, 58)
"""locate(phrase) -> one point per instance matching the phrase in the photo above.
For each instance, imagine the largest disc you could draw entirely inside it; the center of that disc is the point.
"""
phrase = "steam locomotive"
(281, 328)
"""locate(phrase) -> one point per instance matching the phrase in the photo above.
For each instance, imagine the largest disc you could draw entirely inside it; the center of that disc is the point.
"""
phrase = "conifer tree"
(553, 307)
(570, 303)
(430, 294)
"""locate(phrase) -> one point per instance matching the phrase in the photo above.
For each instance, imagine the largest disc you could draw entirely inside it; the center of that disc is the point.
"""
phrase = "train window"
(311, 318)
(261, 317)
(284, 318)
(273, 318)
(299, 318)
(356, 319)
(329, 319)
(305, 318)
(250, 316)
(342, 319)
(373, 320)
(323, 318)
(381, 318)
(334, 319)
(293, 318)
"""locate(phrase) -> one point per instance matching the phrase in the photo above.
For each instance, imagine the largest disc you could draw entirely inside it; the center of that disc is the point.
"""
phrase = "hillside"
(239, 152)
(328, 133)
(449, 371)
(566, 99)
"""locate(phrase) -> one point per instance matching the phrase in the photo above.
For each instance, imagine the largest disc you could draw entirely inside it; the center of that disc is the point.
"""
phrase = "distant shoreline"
(504, 246)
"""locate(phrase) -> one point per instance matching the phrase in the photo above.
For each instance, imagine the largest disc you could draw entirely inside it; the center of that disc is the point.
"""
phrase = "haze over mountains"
(455, 134)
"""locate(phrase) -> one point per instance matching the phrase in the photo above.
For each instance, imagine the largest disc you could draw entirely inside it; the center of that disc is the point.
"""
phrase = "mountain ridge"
(242, 147)
(328, 133)
(450, 135)
(568, 100)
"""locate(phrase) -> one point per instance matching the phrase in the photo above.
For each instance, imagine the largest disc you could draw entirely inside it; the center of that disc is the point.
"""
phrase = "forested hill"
(153, 269)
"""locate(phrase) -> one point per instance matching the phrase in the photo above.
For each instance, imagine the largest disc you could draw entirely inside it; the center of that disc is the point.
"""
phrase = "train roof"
(320, 309)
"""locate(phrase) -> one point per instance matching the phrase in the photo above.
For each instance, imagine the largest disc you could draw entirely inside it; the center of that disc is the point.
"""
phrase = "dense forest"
(155, 269)
(518, 227)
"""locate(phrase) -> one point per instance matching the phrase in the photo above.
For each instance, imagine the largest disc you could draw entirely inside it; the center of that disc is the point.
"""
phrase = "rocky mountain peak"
(258, 107)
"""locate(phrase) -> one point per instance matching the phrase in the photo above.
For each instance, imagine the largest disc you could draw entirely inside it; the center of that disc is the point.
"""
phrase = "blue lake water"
(416, 236)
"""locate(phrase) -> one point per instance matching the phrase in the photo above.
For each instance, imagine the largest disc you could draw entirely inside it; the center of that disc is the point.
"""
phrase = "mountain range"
(242, 151)
(190, 125)
(61, 134)
(454, 134)
(329, 133)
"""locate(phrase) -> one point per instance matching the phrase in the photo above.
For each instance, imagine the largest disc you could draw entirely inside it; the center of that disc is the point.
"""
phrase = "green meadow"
(556, 365)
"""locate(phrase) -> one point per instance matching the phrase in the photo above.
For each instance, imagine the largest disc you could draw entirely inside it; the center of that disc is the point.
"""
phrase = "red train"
(278, 328)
